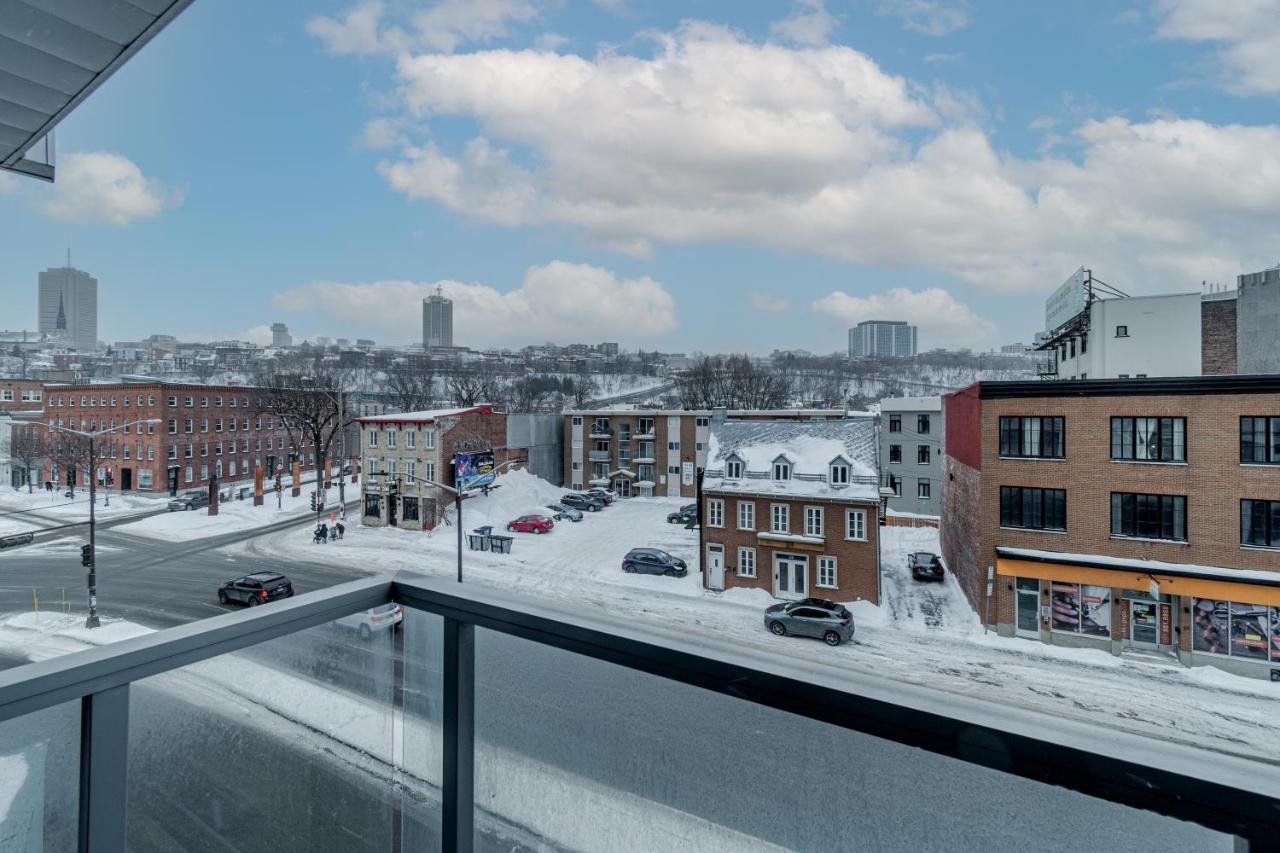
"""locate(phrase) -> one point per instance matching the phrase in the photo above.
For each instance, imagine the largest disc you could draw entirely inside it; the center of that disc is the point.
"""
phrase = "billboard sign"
(1065, 302)
(473, 470)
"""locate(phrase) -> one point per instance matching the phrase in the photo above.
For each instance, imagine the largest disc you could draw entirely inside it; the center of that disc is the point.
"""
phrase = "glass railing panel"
(40, 780)
(421, 765)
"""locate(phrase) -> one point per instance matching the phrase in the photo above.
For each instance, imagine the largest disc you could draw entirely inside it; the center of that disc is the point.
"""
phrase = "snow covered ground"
(924, 634)
(48, 509)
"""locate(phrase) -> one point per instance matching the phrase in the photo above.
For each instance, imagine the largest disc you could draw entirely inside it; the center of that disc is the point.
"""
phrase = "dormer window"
(838, 473)
(733, 468)
(781, 469)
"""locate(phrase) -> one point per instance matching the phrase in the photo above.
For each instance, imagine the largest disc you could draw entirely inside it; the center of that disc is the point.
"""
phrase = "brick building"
(402, 450)
(203, 430)
(1135, 514)
(792, 507)
(17, 395)
(647, 452)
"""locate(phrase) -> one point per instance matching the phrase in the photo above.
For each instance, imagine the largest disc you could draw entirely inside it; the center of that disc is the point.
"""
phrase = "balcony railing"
(316, 739)
(598, 431)
(598, 455)
(1047, 368)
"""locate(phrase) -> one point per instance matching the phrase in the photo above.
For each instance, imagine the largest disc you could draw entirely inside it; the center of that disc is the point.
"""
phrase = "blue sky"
(711, 176)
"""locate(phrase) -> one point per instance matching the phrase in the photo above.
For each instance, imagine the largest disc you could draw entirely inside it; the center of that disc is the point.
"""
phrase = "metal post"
(458, 819)
(457, 502)
(104, 766)
(342, 447)
(92, 621)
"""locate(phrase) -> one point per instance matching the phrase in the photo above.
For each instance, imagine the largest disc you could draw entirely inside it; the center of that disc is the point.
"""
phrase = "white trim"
(746, 550)
(773, 517)
(848, 513)
(715, 512)
(835, 577)
(741, 505)
(822, 521)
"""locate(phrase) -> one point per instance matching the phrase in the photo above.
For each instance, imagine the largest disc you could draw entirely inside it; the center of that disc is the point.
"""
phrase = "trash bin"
(484, 531)
(501, 544)
(476, 542)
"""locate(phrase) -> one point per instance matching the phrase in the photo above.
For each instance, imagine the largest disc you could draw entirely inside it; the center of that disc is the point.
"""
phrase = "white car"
(382, 618)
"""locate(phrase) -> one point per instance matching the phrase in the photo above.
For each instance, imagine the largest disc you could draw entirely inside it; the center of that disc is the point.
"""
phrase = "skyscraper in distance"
(882, 339)
(437, 320)
(68, 306)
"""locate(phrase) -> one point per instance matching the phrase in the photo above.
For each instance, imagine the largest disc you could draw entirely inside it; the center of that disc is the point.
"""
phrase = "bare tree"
(74, 452)
(411, 384)
(203, 371)
(584, 388)
(735, 382)
(27, 446)
(469, 386)
(307, 406)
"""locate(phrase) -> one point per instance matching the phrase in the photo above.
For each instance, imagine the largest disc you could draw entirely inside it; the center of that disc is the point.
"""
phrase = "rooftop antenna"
(68, 257)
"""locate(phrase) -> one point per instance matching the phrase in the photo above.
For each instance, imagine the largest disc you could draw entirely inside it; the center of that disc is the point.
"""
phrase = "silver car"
(811, 617)
(381, 618)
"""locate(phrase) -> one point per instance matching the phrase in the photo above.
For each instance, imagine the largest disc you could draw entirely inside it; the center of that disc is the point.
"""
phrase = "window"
(173, 451)
(391, 437)
(923, 490)
(1122, 331)
(190, 402)
(855, 525)
(190, 474)
(895, 483)
(217, 449)
(577, 465)
(1260, 523)
(673, 445)
(429, 438)
(827, 572)
(702, 422)
(1072, 348)
(151, 399)
(151, 452)
(204, 424)
(188, 452)
(409, 509)
(373, 506)
(204, 472)
(895, 453)
(922, 424)
(1149, 439)
(895, 423)
(1260, 441)
(673, 469)
(173, 401)
(922, 454)
(781, 518)
(746, 515)
(838, 474)
(217, 402)
(746, 562)
(1081, 609)
(1149, 516)
(411, 439)
(231, 401)
(1033, 509)
(204, 449)
(715, 513)
(813, 521)
(733, 469)
(1039, 438)
(1236, 629)
(577, 420)
(781, 469)
(373, 438)
(173, 426)
(204, 402)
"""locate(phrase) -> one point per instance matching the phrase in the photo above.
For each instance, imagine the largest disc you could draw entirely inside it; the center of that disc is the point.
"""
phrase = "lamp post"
(92, 621)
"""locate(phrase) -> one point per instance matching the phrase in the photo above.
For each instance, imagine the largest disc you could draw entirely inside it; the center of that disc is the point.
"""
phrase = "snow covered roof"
(425, 417)
(810, 446)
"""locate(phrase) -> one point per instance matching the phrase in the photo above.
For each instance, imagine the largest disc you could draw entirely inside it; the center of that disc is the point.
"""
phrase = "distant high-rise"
(280, 336)
(882, 339)
(68, 306)
(437, 321)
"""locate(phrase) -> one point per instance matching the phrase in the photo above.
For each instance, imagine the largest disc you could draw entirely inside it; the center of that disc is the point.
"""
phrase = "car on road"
(257, 588)
(811, 617)
(560, 512)
(925, 566)
(531, 524)
(584, 502)
(654, 561)
(683, 516)
(189, 500)
(603, 494)
(385, 617)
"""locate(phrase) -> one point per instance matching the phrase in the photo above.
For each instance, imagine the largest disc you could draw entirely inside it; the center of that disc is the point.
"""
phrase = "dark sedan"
(586, 503)
(654, 561)
(811, 617)
(257, 588)
(925, 566)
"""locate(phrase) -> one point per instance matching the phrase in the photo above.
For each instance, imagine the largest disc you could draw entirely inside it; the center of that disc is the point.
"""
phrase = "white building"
(437, 321)
(68, 306)
(882, 339)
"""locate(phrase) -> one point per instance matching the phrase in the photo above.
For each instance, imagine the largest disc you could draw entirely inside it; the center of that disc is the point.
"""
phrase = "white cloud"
(810, 24)
(943, 321)
(1247, 32)
(939, 58)
(450, 22)
(562, 301)
(357, 32)
(769, 304)
(101, 187)
(930, 17)
(368, 28)
(383, 132)
(551, 41)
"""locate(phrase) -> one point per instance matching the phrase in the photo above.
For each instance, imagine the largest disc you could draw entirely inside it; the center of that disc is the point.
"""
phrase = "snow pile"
(920, 605)
(233, 515)
(517, 493)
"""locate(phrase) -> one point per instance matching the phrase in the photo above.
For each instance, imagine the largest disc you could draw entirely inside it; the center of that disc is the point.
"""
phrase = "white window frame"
(842, 477)
(373, 438)
(745, 556)
(780, 512)
(827, 564)
(746, 515)
(391, 437)
(429, 438)
(924, 483)
(411, 439)
(781, 467)
(715, 512)
(733, 469)
(855, 530)
(812, 513)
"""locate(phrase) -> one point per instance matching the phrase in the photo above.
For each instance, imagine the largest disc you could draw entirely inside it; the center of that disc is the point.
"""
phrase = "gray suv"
(811, 617)
(190, 500)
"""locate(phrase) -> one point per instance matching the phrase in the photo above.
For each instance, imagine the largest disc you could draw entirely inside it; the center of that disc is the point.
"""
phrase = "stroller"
(321, 535)
(338, 530)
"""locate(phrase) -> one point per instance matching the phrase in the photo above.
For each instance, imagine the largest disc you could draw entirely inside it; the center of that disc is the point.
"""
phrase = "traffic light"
(86, 555)
(313, 501)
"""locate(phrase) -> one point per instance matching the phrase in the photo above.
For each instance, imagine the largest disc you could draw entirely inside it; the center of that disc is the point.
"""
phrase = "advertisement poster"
(1275, 634)
(472, 470)
(1249, 631)
(1095, 611)
(686, 474)
(1065, 604)
(1210, 625)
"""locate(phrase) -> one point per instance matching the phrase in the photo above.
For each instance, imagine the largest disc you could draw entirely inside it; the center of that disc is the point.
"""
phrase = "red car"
(531, 524)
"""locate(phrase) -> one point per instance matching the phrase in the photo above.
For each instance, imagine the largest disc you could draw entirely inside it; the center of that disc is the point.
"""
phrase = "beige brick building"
(1137, 514)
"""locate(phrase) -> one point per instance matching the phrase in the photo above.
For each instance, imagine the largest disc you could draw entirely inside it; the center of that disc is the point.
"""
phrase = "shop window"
(1081, 609)
(373, 506)
(1247, 631)
(409, 509)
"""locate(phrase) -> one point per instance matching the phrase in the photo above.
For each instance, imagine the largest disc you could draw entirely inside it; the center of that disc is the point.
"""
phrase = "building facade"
(1121, 515)
(1127, 338)
(18, 395)
(1258, 319)
(280, 336)
(402, 451)
(911, 431)
(792, 507)
(882, 339)
(650, 452)
(437, 321)
(68, 306)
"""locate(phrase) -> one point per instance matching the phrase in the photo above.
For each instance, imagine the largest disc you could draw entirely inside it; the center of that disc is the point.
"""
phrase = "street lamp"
(92, 621)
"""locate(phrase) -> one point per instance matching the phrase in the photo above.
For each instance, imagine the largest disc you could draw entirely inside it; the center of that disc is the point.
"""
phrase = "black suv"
(587, 503)
(255, 589)
(654, 561)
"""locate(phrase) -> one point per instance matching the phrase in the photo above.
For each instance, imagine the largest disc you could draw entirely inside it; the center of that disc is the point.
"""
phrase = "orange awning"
(1241, 591)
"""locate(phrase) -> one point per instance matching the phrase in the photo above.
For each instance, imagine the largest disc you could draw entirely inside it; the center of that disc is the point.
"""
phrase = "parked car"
(683, 516)
(189, 500)
(654, 561)
(257, 588)
(384, 617)
(531, 524)
(925, 566)
(584, 502)
(689, 508)
(560, 512)
(811, 617)
(603, 494)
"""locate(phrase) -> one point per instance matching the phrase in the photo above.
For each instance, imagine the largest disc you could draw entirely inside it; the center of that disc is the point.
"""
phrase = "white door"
(715, 567)
(790, 576)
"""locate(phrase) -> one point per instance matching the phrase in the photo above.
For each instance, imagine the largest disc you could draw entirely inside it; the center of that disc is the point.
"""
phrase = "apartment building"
(201, 431)
(792, 507)
(643, 453)
(407, 453)
(911, 433)
(19, 395)
(1139, 514)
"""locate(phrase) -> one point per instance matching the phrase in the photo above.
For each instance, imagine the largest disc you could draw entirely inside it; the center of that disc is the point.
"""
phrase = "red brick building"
(792, 507)
(1137, 514)
(18, 395)
(202, 431)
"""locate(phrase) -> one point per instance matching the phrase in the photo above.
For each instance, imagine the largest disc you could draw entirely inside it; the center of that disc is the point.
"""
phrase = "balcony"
(277, 729)
(645, 435)
(598, 455)
(601, 432)
(1046, 369)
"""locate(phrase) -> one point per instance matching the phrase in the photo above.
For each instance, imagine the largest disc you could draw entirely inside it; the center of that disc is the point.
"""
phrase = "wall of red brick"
(962, 416)
(1218, 336)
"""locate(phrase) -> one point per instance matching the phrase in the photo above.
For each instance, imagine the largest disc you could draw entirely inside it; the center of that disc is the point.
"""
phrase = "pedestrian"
(322, 533)
(341, 528)
(342, 512)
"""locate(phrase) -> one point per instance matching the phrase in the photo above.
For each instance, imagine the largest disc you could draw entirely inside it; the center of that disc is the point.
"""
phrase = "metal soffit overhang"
(54, 54)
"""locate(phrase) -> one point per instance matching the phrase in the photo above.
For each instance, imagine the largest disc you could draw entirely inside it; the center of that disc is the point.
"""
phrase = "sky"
(687, 176)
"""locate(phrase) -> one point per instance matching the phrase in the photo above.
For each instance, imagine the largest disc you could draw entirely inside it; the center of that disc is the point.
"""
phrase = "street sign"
(1153, 587)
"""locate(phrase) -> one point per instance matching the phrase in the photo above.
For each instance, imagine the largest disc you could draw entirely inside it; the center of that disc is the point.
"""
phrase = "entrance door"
(1144, 624)
(790, 576)
(715, 567)
(126, 479)
(173, 482)
(1028, 607)
(623, 487)
(391, 510)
